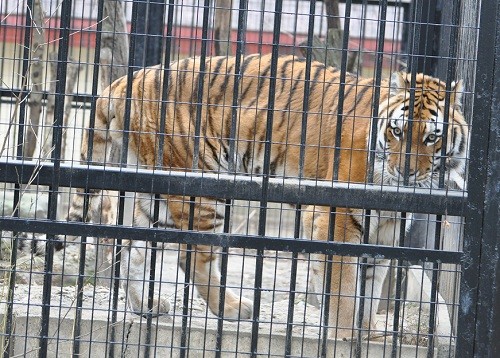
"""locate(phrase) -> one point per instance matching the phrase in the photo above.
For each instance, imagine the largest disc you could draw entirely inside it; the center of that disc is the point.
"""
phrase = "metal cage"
(68, 278)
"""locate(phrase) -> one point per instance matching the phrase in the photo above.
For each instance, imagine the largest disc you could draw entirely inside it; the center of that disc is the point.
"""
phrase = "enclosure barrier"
(321, 198)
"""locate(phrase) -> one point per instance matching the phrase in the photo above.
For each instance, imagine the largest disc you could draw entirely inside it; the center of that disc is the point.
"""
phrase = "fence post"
(149, 31)
(487, 341)
(479, 282)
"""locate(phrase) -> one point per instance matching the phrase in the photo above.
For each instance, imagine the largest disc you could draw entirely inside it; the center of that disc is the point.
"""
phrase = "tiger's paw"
(341, 334)
(160, 307)
(238, 308)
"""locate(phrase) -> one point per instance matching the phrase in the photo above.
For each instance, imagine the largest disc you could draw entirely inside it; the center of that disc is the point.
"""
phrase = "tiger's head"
(410, 139)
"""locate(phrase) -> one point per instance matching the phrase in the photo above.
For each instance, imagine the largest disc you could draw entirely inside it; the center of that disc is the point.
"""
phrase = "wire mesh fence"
(244, 178)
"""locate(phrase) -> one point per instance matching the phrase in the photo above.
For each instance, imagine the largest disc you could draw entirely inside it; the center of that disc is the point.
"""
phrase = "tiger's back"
(215, 117)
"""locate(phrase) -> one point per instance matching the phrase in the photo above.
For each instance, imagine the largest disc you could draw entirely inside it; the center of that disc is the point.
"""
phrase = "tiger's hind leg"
(93, 204)
(204, 264)
(204, 273)
(206, 276)
(204, 267)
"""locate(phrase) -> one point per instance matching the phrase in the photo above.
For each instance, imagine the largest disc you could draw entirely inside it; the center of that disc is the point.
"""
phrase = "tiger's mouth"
(423, 181)
(392, 176)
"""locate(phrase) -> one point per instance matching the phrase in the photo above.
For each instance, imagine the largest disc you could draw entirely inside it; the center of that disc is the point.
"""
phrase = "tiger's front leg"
(343, 290)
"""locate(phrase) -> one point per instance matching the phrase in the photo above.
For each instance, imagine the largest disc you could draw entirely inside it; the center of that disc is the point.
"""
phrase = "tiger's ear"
(457, 90)
(398, 82)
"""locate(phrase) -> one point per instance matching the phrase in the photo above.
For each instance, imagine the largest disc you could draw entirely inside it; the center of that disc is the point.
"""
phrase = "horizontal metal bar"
(240, 187)
(8, 95)
(162, 235)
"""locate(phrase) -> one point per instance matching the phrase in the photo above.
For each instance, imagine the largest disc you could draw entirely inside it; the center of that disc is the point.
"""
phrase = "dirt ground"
(274, 310)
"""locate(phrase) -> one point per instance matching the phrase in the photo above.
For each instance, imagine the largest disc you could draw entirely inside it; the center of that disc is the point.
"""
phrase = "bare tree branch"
(36, 71)
(114, 41)
(222, 27)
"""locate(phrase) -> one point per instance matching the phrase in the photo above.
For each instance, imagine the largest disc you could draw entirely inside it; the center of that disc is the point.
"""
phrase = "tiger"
(186, 110)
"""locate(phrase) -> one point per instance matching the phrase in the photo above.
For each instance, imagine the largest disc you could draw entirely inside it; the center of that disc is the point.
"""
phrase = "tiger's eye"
(397, 132)
(431, 137)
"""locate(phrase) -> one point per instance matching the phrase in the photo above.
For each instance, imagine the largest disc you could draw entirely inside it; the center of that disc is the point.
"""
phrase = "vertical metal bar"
(398, 294)
(123, 162)
(340, 106)
(196, 155)
(376, 94)
(240, 44)
(474, 319)
(265, 176)
(81, 267)
(159, 162)
(451, 70)
(25, 75)
(9, 325)
(62, 58)
(336, 164)
(415, 38)
(371, 163)
(302, 154)
(152, 56)
(149, 31)
(487, 338)
(434, 288)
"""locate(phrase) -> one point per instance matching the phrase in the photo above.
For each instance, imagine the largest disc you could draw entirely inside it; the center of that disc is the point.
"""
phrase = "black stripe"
(283, 73)
(314, 80)
(224, 87)
(182, 74)
(216, 71)
(246, 61)
(357, 225)
(433, 112)
(298, 79)
(262, 78)
(157, 82)
(245, 91)
(214, 150)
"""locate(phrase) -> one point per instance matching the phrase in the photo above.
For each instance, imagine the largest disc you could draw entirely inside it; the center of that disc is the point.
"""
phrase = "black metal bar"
(302, 154)
(452, 31)
(336, 164)
(157, 17)
(259, 259)
(123, 162)
(21, 101)
(93, 98)
(24, 93)
(487, 329)
(196, 154)
(426, 47)
(480, 138)
(340, 104)
(148, 32)
(151, 56)
(371, 164)
(225, 240)
(224, 186)
(62, 58)
(240, 46)
(434, 294)
(398, 294)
